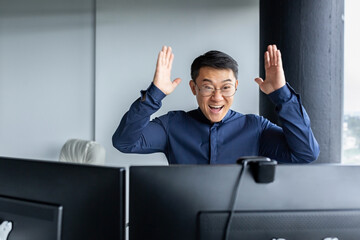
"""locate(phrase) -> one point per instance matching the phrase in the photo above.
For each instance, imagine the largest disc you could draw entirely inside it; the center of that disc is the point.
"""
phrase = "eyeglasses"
(227, 90)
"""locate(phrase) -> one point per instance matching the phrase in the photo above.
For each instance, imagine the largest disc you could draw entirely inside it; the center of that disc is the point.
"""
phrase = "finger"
(272, 58)
(171, 61)
(159, 58)
(271, 54)
(267, 59)
(168, 56)
(275, 55)
(163, 55)
(160, 61)
(278, 53)
(259, 81)
(176, 82)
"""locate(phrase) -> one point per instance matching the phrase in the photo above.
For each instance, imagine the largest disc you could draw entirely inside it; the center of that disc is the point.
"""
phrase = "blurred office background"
(71, 69)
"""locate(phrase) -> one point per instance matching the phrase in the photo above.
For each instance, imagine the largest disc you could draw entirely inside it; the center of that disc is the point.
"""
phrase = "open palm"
(162, 78)
(274, 72)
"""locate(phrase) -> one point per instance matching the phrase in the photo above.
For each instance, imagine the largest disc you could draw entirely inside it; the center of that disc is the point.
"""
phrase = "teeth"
(215, 106)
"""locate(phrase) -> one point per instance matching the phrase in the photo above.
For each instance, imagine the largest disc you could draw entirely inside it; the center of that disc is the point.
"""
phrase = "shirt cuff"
(154, 92)
(281, 95)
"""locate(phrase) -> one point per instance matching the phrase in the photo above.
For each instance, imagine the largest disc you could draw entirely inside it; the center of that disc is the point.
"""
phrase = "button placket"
(213, 143)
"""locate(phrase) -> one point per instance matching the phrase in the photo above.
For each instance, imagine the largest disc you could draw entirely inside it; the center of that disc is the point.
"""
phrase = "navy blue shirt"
(190, 138)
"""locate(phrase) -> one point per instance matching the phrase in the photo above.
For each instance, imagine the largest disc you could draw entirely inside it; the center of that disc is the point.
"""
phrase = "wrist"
(155, 93)
(280, 95)
(276, 87)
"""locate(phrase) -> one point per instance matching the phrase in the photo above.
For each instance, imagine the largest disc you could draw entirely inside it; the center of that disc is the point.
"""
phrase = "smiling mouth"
(216, 109)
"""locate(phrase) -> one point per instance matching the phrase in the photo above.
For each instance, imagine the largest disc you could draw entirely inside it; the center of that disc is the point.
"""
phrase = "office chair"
(83, 151)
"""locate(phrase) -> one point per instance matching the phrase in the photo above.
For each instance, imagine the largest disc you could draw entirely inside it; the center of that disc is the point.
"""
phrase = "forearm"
(130, 132)
(295, 124)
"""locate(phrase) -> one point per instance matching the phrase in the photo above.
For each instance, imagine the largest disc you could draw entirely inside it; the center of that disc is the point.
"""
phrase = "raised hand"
(274, 72)
(162, 76)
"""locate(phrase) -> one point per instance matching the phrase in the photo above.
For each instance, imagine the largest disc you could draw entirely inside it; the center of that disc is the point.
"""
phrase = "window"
(351, 124)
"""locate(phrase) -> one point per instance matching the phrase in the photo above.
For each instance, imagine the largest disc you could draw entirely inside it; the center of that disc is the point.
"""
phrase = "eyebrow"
(209, 80)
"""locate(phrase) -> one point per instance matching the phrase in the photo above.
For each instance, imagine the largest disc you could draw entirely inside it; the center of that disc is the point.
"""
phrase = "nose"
(217, 95)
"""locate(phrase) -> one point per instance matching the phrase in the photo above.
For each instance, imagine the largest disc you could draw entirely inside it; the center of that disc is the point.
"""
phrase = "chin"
(215, 119)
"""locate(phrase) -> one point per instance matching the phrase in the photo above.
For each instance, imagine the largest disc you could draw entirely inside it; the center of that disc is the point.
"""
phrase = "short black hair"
(214, 59)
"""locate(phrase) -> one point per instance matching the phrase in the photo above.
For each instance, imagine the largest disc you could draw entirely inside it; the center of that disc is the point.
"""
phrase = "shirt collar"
(201, 117)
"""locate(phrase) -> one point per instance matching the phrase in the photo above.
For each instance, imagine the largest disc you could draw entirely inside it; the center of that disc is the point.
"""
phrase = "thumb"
(176, 82)
(259, 81)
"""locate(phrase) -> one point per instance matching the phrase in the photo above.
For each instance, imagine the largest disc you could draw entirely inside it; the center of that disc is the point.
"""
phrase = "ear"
(192, 86)
(236, 83)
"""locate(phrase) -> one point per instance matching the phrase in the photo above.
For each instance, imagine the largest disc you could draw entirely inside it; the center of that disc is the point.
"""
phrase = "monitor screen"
(31, 220)
(88, 202)
(193, 202)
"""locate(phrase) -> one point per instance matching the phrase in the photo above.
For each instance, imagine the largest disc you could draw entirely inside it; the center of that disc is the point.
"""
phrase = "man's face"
(215, 106)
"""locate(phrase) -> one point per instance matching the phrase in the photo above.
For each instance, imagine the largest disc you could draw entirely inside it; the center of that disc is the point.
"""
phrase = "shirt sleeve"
(294, 141)
(136, 133)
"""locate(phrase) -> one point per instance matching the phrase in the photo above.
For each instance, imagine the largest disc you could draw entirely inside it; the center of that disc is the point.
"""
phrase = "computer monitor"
(51, 200)
(35, 220)
(313, 202)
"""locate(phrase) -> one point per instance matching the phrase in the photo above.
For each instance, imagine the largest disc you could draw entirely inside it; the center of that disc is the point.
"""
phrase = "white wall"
(129, 37)
(46, 75)
(50, 60)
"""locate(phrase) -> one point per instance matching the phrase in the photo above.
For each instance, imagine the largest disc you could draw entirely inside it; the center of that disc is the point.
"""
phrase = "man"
(214, 134)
